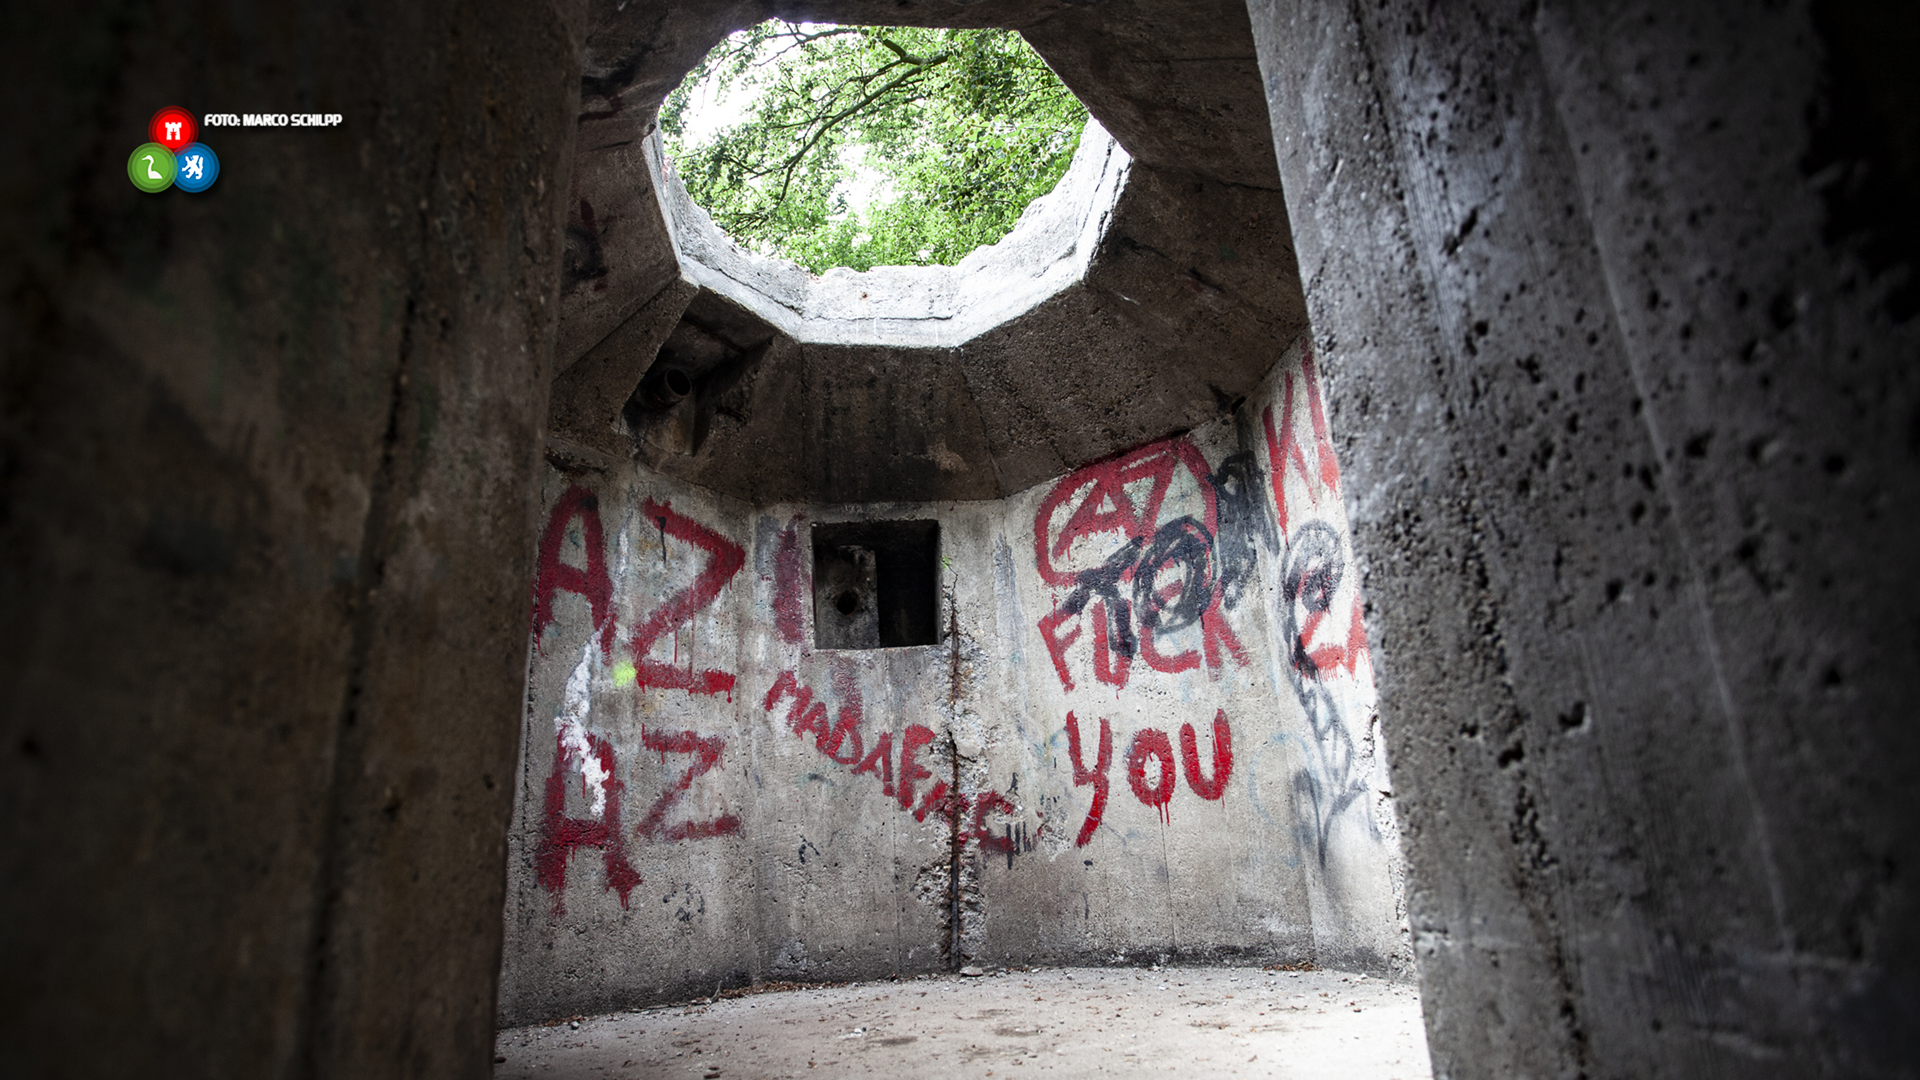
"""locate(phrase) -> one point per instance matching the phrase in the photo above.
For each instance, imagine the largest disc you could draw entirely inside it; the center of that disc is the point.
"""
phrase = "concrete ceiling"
(1145, 297)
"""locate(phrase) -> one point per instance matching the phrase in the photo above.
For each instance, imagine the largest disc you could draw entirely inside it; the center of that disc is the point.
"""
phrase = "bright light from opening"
(862, 146)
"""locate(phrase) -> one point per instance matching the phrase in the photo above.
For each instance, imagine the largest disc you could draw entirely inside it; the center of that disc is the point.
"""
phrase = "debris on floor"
(1072, 1022)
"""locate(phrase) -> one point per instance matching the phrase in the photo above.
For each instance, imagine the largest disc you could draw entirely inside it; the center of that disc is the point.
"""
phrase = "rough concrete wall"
(1176, 761)
(270, 455)
(1187, 285)
(1187, 281)
(1615, 301)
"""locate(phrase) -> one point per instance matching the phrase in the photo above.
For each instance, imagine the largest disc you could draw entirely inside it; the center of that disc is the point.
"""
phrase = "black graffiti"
(1181, 576)
(1312, 576)
(1182, 542)
(1246, 524)
(1181, 545)
(1226, 561)
(1312, 572)
(1103, 583)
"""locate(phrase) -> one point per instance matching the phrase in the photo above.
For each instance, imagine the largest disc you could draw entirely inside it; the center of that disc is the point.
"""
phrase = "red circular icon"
(172, 127)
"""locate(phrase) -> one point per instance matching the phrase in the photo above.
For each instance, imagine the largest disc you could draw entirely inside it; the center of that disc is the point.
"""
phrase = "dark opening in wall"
(876, 584)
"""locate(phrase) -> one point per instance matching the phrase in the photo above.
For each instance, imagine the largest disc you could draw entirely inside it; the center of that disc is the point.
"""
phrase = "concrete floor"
(1226, 1022)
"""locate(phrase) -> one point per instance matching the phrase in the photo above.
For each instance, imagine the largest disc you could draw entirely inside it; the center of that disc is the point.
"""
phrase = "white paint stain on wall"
(570, 725)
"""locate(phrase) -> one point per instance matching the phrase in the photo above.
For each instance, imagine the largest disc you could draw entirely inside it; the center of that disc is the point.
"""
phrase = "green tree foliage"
(962, 129)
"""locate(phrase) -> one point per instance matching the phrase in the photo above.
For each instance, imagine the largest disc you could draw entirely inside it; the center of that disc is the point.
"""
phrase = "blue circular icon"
(195, 167)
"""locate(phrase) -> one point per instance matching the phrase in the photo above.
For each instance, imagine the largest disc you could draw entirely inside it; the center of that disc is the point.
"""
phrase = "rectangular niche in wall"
(876, 584)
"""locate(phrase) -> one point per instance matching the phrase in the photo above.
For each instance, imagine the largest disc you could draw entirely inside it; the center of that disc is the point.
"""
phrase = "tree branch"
(800, 40)
(912, 59)
(793, 161)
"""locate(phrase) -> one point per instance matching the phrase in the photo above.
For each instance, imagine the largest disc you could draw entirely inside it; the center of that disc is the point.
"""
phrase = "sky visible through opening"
(869, 146)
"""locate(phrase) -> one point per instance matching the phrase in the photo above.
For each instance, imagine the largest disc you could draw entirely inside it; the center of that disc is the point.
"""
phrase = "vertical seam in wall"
(953, 770)
(959, 356)
(960, 359)
(744, 720)
(1173, 925)
(1696, 588)
(893, 860)
(517, 901)
(371, 573)
(1314, 871)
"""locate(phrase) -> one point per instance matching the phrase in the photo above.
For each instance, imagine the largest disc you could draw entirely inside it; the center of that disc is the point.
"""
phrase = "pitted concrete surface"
(1616, 309)
(1070, 1022)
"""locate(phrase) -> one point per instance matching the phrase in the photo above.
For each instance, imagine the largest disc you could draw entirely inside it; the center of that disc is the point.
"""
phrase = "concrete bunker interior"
(1610, 321)
(1062, 485)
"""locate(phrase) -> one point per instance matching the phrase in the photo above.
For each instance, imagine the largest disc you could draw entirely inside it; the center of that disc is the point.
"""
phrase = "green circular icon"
(151, 167)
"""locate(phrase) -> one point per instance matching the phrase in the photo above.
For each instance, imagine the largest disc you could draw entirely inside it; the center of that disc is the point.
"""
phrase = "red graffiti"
(807, 715)
(1153, 578)
(880, 762)
(1284, 451)
(1320, 476)
(706, 751)
(787, 685)
(789, 585)
(555, 576)
(985, 804)
(1097, 776)
(1214, 633)
(1347, 653)
(1222, 758)
(939, 799)
(1109, 667)
(1154, 787)
(1151, 743)
(1105, 669)
(916, 738)
(1123, 495)
(560, 834)
(724, 559)
(847, 723)
(834, 741)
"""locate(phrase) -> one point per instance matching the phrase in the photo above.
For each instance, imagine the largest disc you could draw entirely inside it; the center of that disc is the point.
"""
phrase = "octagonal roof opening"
(836, 146)
(1145, 294)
